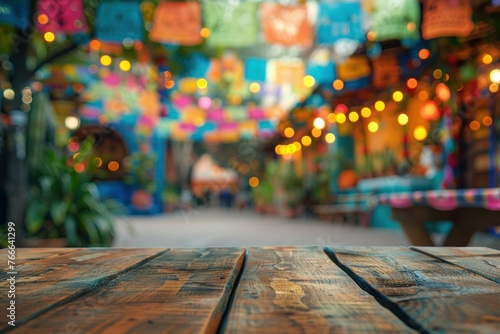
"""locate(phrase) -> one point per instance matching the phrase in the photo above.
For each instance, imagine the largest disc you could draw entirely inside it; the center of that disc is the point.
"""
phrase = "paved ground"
(210, 227)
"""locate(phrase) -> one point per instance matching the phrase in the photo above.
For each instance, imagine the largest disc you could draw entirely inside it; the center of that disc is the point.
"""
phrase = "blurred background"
(235, 122)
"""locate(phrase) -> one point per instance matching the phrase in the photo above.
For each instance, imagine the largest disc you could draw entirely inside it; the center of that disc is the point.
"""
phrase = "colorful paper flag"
(64, 16)
(396, 19)
(339, 20)
(231, 25)
(15, 12)
(177, 23)
(442, 18)
(286, 25)
(119, 20)
(255, 69)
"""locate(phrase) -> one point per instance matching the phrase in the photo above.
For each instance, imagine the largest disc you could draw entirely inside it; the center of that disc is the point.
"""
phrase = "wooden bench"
(255, 290)
(356, 208)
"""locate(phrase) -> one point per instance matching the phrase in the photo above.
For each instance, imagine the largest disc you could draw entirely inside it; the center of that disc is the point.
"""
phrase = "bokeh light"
(424, 54)
(366, 112)
(253, 181)
(397, 96)
(306, 140)
(319, 123)
(316, 133)
(330, 138)
(49, 37)
(420, 133)
(309, 81)
(475, 125)
(106, 60)
(201, 83)
(254, 87)
(338, 84)
(289, 132)
(412, 83)
(125, 65)
(403, 119)
(379, 106)
(487, 121)
(113, 166)
(353, 116)
(341, 118)
(373, 127)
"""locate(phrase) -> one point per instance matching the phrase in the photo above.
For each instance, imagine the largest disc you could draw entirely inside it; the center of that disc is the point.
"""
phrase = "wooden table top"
(255, 290)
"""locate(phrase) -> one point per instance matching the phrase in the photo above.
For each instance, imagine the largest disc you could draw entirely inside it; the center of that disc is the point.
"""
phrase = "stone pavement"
(211, 227)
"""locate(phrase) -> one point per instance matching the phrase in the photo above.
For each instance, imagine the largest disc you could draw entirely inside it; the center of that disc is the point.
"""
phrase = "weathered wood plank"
(182, 291)
(480, 260)
(437, 296)
(44, 284)
(300, 290)
(24, 255)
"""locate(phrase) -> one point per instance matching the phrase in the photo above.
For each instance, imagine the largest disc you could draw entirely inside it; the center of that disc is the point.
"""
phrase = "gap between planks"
(379, 297)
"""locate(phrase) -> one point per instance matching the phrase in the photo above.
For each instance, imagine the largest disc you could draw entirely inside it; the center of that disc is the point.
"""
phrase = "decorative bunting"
(442, 18)
(15, 12)
(354, 68)
(384, 73)
(255, 69)
(177, 23)
(290, 71)
(64, 16)
(286, 25)
(397, 19)
(119, 20)
(322, 73)
(339, 20)
(231, 24)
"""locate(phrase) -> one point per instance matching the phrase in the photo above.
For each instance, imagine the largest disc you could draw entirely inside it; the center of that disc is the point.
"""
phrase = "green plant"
(292, 184)
(66, 204)
(141, 171)
(263, 193)
(171, 193)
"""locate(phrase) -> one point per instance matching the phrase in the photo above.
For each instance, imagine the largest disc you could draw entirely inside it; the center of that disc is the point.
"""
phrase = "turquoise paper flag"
(231, 25)
(339, 20)
(255, 69)
(322, 73)
(396, 19)
(15, 12)
(118, 20)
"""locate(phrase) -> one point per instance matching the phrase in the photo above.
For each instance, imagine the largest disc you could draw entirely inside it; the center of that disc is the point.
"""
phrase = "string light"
(341, 118)
(330, 138)
(106, 60)
(316, 133)
(125, 65)
(443, 92)
(475, 125)
(113, 166)
(366, 112)
(486, 59)
(49, 37)
(253, 181)
(424, 54)
(331, 117)
(201, 83)
(403, 119)
(289, 132)
(306, 140)
(397, 96)
(379, 106)
(373, 127)
(495, 76)
(205, 32)
(338, 84)
(420, 133)
(254, 87)
(487, 121)
(319, 123)
(308, 81)
(412, 83)
(353, 116)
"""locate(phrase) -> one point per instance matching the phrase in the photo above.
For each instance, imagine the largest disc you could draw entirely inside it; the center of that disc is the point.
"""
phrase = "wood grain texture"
(181, 291)
(300, 290)
(437, 296)
(43, 284)
(480, 260)
(24, 255)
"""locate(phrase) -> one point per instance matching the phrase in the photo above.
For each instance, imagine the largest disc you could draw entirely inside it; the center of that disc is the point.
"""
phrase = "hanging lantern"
(429, 111)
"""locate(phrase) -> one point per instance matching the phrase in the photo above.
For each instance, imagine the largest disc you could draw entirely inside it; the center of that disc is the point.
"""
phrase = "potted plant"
(171, 197)
(65, 205)
(141, 174)
(292, 184)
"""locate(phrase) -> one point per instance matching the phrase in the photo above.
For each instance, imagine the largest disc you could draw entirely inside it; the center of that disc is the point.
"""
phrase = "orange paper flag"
(177, 23)
(286, 25)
